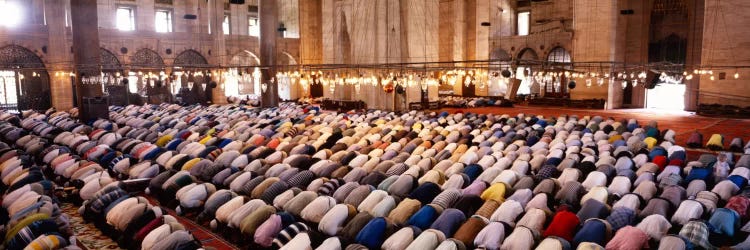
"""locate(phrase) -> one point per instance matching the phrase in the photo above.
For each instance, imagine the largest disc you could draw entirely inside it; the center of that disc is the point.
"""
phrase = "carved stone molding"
(190, 58)
(14, 56)
(146, 58)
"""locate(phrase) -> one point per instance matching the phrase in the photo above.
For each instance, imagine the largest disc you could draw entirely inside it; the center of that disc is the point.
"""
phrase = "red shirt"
(563, 225)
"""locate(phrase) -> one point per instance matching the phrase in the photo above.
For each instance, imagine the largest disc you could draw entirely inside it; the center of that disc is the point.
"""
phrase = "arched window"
(554, 85)
(558, 55)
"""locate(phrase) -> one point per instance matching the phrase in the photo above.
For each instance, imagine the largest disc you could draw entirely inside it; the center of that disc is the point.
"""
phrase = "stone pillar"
(268, 33)
(85, 45)
(595, 39)
(215, 11)
(696, 10)
(311, 34)
(58, 50)
(482, 44)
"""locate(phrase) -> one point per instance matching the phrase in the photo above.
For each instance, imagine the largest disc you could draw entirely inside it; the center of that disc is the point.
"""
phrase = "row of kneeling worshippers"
(294, 178)
(35, 170)
(30, 216)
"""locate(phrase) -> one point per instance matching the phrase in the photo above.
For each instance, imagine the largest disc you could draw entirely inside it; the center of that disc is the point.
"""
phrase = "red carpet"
(208, 239)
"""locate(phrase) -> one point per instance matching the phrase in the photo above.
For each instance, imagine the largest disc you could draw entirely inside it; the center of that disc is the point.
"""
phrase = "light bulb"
(689, 77)
(712, 77)
(736, 75)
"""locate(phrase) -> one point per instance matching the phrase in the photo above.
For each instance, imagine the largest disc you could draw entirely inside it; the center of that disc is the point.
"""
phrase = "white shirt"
(371, 200)
(689, 209)
(507, 212)
(521, 238)
(655, 225)
(594, 179)
(225, 210)
(725, 189)
(235, 218)
(159, 233)
(620, 186)
(630, 201)
(569, 174)
(533, 219)
(334, 219)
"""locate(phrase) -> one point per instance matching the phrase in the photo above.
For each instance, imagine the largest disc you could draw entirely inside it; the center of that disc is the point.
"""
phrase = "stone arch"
(499, 54)
(244, 58)
(284, 58)
(527, 54)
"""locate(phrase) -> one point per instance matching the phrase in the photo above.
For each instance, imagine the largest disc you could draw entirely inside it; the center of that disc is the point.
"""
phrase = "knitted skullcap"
(274, 190)
(301, 179)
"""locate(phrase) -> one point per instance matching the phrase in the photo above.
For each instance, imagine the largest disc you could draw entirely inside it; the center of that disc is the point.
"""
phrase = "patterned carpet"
(88, 236)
